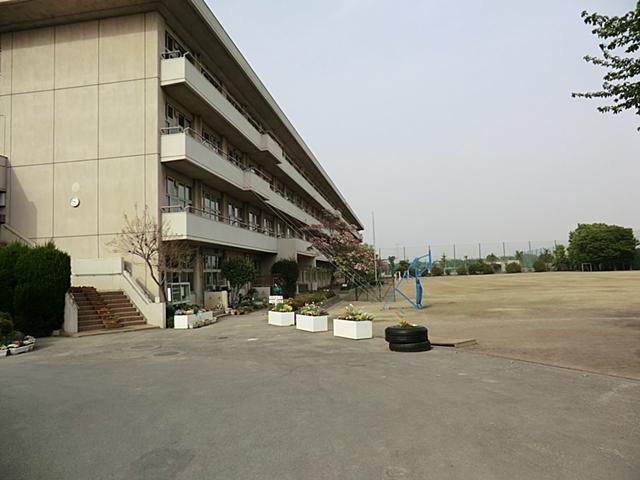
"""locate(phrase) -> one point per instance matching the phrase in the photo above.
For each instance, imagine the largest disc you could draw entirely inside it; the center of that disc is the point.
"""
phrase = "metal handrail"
(219, 217)
(240, 108)
(213, 79)
(246, 168)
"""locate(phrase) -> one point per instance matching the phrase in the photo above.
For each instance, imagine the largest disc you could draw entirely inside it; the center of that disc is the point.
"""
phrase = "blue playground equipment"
(417, 272)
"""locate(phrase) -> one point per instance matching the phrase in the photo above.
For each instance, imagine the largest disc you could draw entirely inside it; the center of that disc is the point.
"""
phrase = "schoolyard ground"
(587, 321)
(244, 400)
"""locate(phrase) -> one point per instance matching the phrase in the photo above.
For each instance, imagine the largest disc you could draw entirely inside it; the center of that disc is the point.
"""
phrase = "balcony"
(189, 82)
(189, 153)
(194, 87)
(196, 225)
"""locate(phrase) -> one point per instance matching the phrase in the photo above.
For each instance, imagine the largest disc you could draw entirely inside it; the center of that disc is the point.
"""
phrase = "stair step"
(116, 302)
(98, 323)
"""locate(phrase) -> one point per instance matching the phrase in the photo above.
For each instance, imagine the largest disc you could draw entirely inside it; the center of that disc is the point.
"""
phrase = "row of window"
(213, 280)
(236, 156)
(179, 195)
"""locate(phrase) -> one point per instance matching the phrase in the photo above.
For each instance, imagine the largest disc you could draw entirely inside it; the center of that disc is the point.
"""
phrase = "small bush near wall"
(540, 266)
(480, 268)
(313, 297)
(8, 257)
(461, 270)
(514, 267)
(43, 277)
(287, 271)
(436, 271)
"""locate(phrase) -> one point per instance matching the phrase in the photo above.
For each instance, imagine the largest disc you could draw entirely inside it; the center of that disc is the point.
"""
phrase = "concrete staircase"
(96, 310)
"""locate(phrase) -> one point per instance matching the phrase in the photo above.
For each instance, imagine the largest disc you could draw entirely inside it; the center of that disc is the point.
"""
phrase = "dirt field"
(587, 321)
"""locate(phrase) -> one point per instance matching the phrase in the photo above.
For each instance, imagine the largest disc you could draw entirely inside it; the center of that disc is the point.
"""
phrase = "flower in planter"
(28, 340)
(282, 307)
(312, 310)
(3, 347)
(355, 314)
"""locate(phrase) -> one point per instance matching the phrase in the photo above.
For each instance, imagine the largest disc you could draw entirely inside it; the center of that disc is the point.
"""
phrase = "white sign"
(276, 299)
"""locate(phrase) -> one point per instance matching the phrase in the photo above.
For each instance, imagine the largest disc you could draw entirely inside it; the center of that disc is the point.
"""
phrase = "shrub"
(6, 323)
(312, 310)
(43, 277)
(355, 314)
(287, 271)
(283, 307)
(480, 268)
(436, 271)
(313, 297)
(8, 257)
(514, 267)
(238, 271)
(539, 266)
(461, 270)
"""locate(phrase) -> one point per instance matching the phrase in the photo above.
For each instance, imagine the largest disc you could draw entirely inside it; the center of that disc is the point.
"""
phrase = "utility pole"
(504, 252)
(375, 260)
(479, 252)
(404, 253)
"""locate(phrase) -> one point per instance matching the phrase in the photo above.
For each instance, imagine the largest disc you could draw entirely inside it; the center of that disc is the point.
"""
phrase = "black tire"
(406, 335)
(410, 347)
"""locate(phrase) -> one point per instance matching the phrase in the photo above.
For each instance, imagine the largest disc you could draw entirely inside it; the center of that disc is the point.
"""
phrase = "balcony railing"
(286, 194)
(232, 221)
(211, 78)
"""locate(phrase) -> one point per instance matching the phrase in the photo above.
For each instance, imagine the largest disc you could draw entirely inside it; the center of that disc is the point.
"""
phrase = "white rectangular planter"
(312, 324)
(282, 319)
(22, 349)
(193, 320)
(3, 353)
(352, 329)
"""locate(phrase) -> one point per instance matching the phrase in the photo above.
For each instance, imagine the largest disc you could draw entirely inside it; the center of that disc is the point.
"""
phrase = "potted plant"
(282, 315)
(25, 344)
(312, 318)
(3, 350)
(407, 337)
(353, 323)
(192, 316)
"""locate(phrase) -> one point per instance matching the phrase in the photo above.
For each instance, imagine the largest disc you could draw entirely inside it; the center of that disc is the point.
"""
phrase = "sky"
(450, 121)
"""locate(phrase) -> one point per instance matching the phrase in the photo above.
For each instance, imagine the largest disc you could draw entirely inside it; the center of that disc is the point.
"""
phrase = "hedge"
(36, 281)
(8, 257)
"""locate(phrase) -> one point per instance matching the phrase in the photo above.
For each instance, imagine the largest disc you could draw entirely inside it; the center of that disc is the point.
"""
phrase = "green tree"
(560, 259)
(238, 271)
(539, 265)
(492, 258)
(605, 246)
(43, 277)
(287, 271)
(8, 257)
(619, 44)
(392, 263)
(402, 266)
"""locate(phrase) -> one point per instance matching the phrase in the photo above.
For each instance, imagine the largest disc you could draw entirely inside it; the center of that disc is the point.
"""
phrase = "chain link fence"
(451, 256)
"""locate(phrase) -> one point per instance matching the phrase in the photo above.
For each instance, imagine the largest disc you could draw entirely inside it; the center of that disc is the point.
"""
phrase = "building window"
(267, 225)
(236, 156)
(235, 215)
(211, 205)
(171, 45)
(178, 194)
(212, 139)
(254, 221)
(213, 279)
(175, 118)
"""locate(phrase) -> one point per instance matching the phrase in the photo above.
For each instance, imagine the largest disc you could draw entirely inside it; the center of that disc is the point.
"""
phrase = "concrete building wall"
(79, 117)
